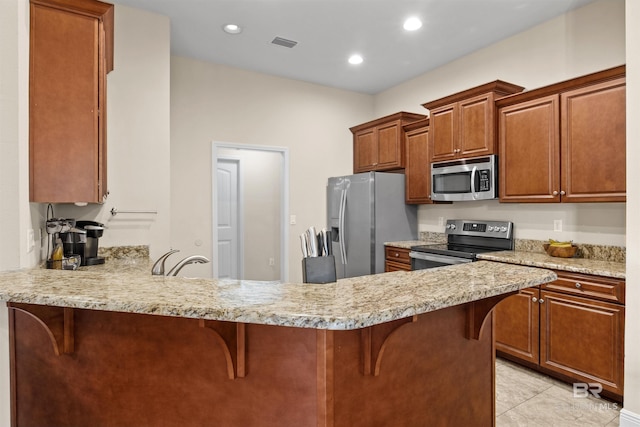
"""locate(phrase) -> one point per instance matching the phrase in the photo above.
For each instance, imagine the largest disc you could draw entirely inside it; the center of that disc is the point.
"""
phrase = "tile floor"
(530, 399)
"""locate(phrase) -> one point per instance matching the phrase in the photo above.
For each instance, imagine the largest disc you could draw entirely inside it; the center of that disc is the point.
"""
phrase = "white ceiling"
(328, 31)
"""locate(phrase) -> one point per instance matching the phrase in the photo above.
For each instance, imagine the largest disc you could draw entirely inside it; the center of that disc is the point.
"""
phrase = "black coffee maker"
(84, 242)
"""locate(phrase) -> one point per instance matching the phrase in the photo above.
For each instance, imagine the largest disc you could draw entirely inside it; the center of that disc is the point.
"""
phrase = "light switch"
(292, 220)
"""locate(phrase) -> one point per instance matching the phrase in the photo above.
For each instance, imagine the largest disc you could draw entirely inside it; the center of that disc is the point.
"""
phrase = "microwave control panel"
(484, 178)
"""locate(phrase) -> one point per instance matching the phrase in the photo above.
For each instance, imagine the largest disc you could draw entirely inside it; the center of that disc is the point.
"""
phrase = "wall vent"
(284, 42)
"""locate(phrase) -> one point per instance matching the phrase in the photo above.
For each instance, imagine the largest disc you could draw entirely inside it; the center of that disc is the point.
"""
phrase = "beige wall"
(15, 217)
(585, 40)
(632, 350)
(212, 102)
(137, 135)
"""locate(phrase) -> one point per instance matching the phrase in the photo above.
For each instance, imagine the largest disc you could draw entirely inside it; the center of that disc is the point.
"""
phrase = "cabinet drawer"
(395, 254)
(396, 266)
(596, 287)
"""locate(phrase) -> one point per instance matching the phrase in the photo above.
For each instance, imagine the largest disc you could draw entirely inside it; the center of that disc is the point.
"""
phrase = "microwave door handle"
(474, 172)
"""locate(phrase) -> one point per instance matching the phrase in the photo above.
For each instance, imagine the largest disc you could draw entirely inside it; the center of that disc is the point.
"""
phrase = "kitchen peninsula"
(130, 349)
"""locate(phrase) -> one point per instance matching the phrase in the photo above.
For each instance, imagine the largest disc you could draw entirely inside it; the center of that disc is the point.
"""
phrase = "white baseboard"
(629, 419)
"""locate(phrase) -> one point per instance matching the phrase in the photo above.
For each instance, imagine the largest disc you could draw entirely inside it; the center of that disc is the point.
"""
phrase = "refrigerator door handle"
(343, 205)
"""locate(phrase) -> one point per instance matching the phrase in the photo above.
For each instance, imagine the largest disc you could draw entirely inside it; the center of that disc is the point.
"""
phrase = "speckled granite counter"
(347, 304)
(576, 265)
(406, 244)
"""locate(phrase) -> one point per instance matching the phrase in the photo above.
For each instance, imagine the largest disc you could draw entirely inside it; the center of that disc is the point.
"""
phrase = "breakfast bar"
(129, 349)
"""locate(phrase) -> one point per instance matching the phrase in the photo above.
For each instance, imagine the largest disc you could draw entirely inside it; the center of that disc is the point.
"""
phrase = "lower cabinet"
(572, 328)
(396, 259)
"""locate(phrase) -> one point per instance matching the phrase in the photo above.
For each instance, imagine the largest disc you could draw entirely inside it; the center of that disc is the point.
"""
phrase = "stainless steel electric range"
(465, 239)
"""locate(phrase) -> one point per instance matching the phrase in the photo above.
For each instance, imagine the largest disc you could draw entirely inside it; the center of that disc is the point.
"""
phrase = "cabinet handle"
(555, 193)
(562, 193)
(396, 254)
(541, 301)
(534, 299)
(578, 285)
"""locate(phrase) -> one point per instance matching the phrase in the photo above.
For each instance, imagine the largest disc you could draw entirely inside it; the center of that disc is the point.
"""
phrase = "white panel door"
(228, 219)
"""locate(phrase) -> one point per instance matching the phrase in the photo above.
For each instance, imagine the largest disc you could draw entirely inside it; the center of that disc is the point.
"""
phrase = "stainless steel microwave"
(474, 178)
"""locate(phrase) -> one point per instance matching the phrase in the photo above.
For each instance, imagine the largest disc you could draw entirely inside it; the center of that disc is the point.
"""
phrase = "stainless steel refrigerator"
(363, 212)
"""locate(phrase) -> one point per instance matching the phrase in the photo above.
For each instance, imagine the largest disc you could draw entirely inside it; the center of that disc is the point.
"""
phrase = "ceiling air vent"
(284, 42)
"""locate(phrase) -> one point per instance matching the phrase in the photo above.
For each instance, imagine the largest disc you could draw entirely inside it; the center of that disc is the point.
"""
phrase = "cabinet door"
(477, 126)
(64, 89)
(390, 147)
(417, 169)
(365, 151)
(583, 339)
(516, 325)
(443, 133)
(594, 143)
(529, 144)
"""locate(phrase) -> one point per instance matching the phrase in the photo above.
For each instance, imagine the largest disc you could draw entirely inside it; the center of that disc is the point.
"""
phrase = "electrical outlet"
(272, 262)
(557, 225)
(292, 220)
(441, 221)
(31, 243)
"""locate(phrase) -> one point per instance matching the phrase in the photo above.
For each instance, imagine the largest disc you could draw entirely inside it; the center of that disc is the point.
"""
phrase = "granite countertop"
(346, 304)
(406, 244)
(599, 260)
(576, 265)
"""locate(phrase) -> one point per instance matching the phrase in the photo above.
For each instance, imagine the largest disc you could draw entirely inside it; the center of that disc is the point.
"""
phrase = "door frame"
(284, 207)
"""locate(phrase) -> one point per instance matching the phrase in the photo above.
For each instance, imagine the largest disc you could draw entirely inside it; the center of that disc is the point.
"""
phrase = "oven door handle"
(438, 258)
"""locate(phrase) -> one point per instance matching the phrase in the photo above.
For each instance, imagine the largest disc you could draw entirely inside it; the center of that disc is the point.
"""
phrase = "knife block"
(321, 269)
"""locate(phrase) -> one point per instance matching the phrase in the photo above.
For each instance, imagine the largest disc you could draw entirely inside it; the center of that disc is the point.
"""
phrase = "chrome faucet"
(193, 259)
(158, 266)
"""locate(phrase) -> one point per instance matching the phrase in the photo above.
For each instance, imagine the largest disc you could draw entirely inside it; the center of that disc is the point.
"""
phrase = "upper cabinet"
(71, 51)
(463, 124)
(378, 145)
(565, 142)
(417, 168)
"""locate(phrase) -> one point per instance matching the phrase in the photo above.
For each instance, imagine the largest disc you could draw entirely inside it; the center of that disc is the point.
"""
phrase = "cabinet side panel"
(417, 170)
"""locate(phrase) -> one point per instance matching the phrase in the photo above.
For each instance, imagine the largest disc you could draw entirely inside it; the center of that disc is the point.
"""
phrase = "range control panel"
(462, 227)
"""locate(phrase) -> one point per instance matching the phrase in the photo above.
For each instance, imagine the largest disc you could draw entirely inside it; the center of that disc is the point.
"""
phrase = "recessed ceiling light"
(355, 59)
(412, 24)
(232, 29)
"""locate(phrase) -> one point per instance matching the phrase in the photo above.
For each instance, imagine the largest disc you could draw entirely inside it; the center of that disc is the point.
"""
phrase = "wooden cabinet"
(463, 124)
(565, 142)
(71, 50)
(572, 328)
(396, 259)
(379, 145)
(417, 168)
